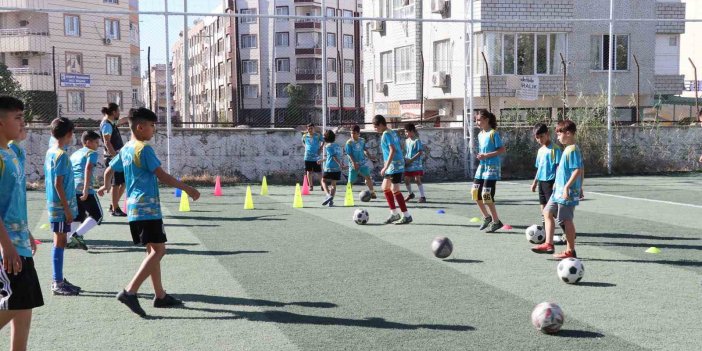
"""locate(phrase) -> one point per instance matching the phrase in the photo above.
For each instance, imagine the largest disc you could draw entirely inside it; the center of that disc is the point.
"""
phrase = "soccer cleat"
(118, 213)
(422, 200)
(62, 289)
(373, 195)
(494, 226)
(393, 218)
(167, 301)
(404, 220)
(559, 239)
(565, 254)
(75, 287)
(544, 248)
(331, 203)
(79, 241)
(409, 197)
(327, 200)
(486, 222)
(131, 301)
(73, 244)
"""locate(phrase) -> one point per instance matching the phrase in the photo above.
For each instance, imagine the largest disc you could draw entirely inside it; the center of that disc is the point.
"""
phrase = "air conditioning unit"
(378, 26)
(381, 88)
(446, 109)
(438, 6)
(438, 79)
(107, 41)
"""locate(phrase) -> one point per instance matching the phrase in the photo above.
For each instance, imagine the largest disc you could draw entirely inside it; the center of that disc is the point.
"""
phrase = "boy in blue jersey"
(489, 170)
(312, 141)
(566, 192)
(393, 167)
(414, 167)
(356, 151)
(142, 171)
(332, 167)
(20, 291)
(83, 164)
(547, 159)
(60, 200)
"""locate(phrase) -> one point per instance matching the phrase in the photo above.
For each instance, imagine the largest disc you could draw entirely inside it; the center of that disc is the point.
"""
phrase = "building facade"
(73, 63)
(154, 90)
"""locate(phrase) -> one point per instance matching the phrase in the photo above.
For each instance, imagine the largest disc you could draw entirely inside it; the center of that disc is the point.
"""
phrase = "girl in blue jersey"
(414, 166)
(488, 173)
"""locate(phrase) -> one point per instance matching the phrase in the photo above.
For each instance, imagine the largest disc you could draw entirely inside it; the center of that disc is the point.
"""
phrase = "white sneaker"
(559, 239)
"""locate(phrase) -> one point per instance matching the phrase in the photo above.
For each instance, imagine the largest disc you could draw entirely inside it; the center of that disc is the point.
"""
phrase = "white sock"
(74, 227)
(409, 187)
(421, 189)
(87, 225)
(395, 211)
(406, 214)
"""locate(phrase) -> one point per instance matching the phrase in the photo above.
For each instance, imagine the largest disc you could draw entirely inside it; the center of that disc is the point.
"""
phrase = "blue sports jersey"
(138, 161)
(412, 148)
(57, 164)
(332, 150)
(356, 150)
(397, 165)
(547, 160)
(312, 144)
(489, 168)
(571, 160)
(13, 202)
(19, 151)
(79, 160)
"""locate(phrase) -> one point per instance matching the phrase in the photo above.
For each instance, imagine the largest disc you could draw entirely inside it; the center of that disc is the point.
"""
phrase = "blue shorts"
(364, 171)
(60, 227)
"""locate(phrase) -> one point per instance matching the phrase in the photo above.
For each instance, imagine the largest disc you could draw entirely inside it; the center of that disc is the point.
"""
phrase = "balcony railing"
(16, 32)
(27, 70)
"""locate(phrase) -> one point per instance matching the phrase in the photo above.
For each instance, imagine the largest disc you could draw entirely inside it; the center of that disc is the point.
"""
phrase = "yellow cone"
(653, 250)
(184, 202)
(45, 226)
(297, 202)
(248, 203)
(348, 200)
(475, 220)
(264, 186)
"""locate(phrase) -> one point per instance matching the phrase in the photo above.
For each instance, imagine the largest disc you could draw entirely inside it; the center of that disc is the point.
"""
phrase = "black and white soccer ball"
(442, 247)
(571, 270)
(364, 195)
(535, 234)
(360, 216)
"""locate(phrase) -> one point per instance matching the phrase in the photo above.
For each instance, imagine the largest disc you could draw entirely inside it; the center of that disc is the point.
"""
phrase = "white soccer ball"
(570, 270)
(535, 234)
(360, 216)
(547, 317)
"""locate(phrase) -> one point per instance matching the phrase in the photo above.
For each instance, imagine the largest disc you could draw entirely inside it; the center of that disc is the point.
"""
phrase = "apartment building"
(420, 69)
(154, 90)
(71, 62)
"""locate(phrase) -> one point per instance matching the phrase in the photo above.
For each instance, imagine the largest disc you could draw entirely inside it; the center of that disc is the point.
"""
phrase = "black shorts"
(313, 166)
(484, 189)
(396, 178)
(91, 206)
(148, 232)
(545, 191)
(331, 175)
(24, 290)
(117, 177)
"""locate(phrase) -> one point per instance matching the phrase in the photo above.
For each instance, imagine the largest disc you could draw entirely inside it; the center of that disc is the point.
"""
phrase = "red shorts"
(414, 173)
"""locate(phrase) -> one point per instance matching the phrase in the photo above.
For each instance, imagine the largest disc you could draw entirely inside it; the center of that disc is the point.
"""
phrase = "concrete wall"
(252, 153)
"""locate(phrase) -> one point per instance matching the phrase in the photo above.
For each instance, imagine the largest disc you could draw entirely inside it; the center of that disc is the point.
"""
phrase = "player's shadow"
(125, 243)
(101, 250)
(643, 245)
(579, 334)
(681, 263)
(633, 236)
(444, 225)
(596, 284)
(229, 219)
(461, 260)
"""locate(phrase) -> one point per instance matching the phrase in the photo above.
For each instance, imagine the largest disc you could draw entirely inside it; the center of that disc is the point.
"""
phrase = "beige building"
(155, 97)
(72, 63)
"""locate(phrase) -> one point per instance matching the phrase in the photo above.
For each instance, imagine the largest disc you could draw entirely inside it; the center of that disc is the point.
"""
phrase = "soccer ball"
(535, 234)
(571, 270)
(365, 195)
(547, 317)
(360, 216)
(442, 247)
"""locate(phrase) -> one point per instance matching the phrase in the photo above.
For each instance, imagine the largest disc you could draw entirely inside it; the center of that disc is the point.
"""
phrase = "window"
(369, 91)
(280, 91)
(248, 41)
(74, 62)
(114, 96)
(136, 66)
(332, 90)
(248, 19)
(282, 65)
(442, 56)
(25, 62)
(348, 66)
(524, 53)
(348, 41)
(282, 11)
(110, 1)
(249, 66)
(135, 97)
(112, 29)
(402, 8)
(309, 65)
(308, 40)
(348, 90)
(386, 71)
(404, 64)
(114, 65)
(347, 14)
(599, 50)
(673, 40)
(331, 64)
(331, 12)
(71, 25)
(76, 101)
(331, 40)
(282, 39)
(133, 33)
(250, 91)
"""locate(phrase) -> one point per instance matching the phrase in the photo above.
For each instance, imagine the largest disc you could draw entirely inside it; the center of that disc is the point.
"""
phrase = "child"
(21, 291)
(60, 200)
(488, 172)
(414, 169)
(393, 167)
(332, 167)
(83, 162)
(142, 171)
(546, 164)
(356, 151)
(566, 192)
(312, 141)
(113, 143)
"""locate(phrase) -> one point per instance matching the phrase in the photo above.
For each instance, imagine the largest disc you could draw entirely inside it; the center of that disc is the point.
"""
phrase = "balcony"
(32, 79)
(307, 24)
(26, 4)
(308, 73)
(308, 50)
(22, 40)
(308, 1)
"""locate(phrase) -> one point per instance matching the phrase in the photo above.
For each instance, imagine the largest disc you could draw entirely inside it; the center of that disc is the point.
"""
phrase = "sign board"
(528, 88)
(410, 110)
(74, 80)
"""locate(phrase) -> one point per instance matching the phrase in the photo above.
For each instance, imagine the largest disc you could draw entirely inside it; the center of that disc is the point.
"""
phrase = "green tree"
(296, 104)
(8, 84)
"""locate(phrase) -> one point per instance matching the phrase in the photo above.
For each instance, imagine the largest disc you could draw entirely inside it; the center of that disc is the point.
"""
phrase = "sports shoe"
(167, 301)
(331, 203)
(373, 195)
(327, 200)
(72, 286)
(486, 222)
(393, 218)
(404, 220)
(131, 301)
(559, 239)
(565, 254)
(494, 226)
(118, 213)
(409, 197)
(79, 241)
(422, 200)
(72, 244)
(62, 289)
(544, 248)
